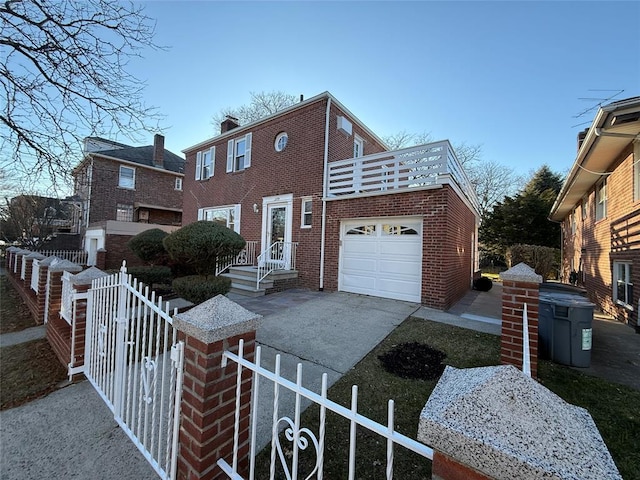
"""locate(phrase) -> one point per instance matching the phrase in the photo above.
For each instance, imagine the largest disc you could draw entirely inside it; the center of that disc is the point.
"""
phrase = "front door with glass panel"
(276, 235)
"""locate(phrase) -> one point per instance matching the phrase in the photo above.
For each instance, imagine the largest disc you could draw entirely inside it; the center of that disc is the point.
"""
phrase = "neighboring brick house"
(314, 190)
(599, 207)
(125, 190)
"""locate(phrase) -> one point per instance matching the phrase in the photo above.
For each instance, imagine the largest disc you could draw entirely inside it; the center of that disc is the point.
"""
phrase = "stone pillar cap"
(50, 260)
(36, 256)
(87, 276)
(216, 319)
(506, 425)
(521, 273)
(65, 266)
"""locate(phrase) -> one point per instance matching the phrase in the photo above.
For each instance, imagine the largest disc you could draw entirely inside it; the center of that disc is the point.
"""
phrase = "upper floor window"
(205, 162)
(623, 284)
(229, 216)
(124, 212)
(239, 153)
(585, 208)
(636, 171)
(127, 177)
(601, 200)
(178, 185)
(574, 223)
(358, 146)
(305, 221)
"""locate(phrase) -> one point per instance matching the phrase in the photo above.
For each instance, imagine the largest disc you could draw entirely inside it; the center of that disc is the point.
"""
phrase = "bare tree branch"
(64, 76)
(262, 104)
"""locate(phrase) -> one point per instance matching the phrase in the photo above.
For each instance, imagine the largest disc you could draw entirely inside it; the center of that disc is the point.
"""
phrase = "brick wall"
(152, 186)
(117, 251)
(592, 241)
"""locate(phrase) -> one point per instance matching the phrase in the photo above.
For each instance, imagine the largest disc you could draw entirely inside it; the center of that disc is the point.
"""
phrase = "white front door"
(277, 219)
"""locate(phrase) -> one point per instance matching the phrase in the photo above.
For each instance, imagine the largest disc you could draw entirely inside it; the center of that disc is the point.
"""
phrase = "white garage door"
(382, 257)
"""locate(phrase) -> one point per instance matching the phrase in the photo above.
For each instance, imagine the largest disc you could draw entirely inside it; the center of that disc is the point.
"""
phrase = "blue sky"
(507, 75)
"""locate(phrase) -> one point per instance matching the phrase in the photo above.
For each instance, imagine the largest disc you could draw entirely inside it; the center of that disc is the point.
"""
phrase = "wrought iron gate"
(135, 362)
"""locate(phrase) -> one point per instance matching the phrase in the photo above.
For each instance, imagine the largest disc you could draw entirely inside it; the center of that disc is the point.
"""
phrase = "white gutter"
(325, 170)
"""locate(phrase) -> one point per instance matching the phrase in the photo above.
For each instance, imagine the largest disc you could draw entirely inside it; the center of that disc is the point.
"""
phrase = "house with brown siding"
(125, 190)
(599, 209)
(323, 204)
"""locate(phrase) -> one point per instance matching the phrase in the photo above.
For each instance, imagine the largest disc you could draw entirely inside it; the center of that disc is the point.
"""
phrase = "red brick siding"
(447, 225)
(152, 187)
(117, 251)
(593, 240)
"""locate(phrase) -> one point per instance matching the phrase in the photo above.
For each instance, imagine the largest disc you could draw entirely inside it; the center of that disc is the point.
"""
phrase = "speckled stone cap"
(65, 266)
(87, 276)
(506, 425)
(35, 256)
(521, 273)
(216, 319)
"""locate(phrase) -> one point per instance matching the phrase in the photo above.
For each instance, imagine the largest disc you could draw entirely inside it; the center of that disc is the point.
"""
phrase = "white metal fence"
(300, 437)
(76, 256)
(246, 257)
(278, 256)
(135, 361)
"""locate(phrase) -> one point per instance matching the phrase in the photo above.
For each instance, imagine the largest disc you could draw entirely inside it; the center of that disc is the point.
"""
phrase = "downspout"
(324, 192)
(89, 193)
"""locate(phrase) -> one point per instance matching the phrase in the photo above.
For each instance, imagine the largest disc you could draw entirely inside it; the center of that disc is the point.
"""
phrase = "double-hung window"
(127, 177)
(574, 223)
(307, 209)
(239, 153)
(228, 215)
(585, 208)
(178, 185)
(358, 146)
(623, 284)
(205, 162)
(601, 200)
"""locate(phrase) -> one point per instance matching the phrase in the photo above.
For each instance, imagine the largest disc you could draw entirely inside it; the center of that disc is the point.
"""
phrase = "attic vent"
(625, 118)
(344, 125)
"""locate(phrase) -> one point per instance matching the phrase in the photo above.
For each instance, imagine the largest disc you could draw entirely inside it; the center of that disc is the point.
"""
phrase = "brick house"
(599, 209)
(318, 195)
(125, 190)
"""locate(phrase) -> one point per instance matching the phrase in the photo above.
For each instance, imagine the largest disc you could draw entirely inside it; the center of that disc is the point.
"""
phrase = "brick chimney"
(229, 123)
(581, 136)
(158, 150)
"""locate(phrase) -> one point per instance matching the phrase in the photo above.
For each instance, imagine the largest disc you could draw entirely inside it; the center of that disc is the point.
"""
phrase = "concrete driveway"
(72, 434)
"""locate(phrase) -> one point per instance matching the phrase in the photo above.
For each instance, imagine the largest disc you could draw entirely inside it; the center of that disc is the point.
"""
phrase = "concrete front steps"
(243, 280)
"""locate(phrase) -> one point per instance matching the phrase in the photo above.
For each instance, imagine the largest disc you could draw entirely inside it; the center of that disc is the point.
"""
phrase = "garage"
(382, 257)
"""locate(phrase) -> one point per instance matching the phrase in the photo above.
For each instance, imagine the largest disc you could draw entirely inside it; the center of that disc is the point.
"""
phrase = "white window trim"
(133, 178)
(128, 208)
(279, 137)
(573, 222)
(636, 171)
(585, 208)
(601, 206)
(202, 214)
(628, 281)
(304, 200)
(200, 165)
(358, 141)
(231, 153)
(178, 183)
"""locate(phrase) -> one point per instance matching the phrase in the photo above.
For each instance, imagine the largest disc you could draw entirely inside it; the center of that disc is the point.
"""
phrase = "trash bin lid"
(566, 299)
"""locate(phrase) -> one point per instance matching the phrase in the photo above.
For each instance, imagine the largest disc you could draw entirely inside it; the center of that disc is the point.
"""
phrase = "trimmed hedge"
(199, 245)
(148, 246)
(197, 288)
(151, 274)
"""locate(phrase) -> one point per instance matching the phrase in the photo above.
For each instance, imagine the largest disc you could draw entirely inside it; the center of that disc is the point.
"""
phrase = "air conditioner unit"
(344, 125)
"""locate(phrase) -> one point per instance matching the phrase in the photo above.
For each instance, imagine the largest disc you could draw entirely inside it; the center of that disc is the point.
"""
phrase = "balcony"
(421, 167)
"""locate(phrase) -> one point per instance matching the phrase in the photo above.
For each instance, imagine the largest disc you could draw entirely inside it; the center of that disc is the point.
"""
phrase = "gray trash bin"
(565, 329)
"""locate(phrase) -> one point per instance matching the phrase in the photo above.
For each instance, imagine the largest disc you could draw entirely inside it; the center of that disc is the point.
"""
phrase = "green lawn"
(613, 407)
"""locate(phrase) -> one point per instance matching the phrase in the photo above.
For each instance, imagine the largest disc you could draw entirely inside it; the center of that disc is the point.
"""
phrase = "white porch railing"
(415, 167)
(35, 274)
(279, 256)
(66, 303)
(246, 257)
(300, 437)
(76, 256)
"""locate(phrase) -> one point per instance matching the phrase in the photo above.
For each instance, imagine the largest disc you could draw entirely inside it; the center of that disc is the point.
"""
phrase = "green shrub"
(148, 246)
(544, 260)
(151, 274)
(197, 288)
(200, 244)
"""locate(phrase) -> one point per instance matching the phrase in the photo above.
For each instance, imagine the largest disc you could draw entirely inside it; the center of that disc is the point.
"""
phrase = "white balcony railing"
(415, 167)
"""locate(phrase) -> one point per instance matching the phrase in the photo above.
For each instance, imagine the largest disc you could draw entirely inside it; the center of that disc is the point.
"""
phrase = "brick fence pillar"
(58, 330)
(208, 395)
(18, 259)
(29, 268)
(520, 286)
(43, 274)
(101, 259)
(81, 284)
